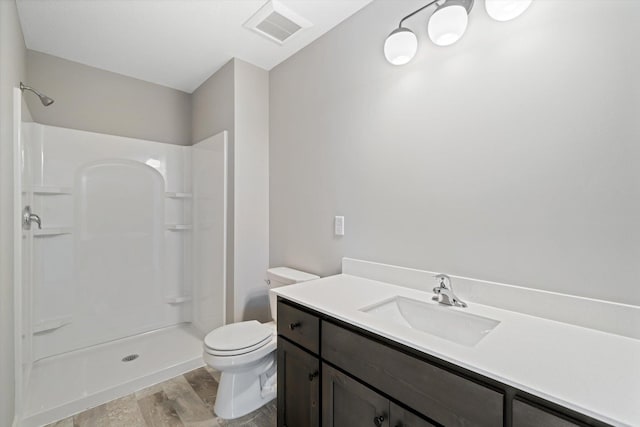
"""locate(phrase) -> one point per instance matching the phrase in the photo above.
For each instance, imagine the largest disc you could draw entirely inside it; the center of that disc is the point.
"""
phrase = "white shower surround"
(85, 278)
(133, 241)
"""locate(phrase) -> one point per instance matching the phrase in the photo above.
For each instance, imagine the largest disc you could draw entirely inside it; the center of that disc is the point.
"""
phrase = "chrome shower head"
(46, 101)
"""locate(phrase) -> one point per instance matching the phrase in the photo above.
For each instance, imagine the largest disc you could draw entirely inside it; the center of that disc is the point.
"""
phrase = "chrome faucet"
(28, 217)
(444, 292)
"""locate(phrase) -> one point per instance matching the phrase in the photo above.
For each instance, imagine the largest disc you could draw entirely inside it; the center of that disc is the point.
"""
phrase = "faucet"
(444, 292)
(28, 217)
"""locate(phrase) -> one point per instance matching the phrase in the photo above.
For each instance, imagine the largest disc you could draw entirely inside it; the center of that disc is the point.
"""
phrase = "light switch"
(338, 225)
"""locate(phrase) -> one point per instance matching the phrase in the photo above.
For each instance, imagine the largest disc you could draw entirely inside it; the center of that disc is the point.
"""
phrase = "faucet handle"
(444, 280)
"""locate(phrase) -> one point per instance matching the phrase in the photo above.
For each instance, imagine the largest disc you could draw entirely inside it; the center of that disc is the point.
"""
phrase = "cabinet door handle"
(377, 421)
(313, 375)
(294, 325)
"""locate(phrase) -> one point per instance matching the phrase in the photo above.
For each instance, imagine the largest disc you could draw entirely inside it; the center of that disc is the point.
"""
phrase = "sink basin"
(445, 322)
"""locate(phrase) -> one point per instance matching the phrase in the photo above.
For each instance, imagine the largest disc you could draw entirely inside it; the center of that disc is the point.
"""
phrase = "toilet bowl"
(244, 381)
(245, 355)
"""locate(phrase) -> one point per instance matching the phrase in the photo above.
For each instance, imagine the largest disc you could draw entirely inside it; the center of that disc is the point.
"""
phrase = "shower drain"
(130, 357)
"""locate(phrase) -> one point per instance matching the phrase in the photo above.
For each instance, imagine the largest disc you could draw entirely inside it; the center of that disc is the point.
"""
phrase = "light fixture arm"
(417, 11)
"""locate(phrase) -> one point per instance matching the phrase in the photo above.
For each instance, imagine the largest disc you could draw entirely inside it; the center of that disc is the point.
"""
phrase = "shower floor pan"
(66, 384)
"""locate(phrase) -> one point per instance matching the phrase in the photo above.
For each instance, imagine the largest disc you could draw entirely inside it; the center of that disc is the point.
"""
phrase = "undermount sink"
(445, 322)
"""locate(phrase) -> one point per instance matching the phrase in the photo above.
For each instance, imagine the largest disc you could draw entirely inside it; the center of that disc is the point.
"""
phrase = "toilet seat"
(242, 361)
(238, 351)
(238, 338)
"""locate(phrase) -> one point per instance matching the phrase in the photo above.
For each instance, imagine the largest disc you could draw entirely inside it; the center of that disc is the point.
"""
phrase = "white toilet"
(244, 353)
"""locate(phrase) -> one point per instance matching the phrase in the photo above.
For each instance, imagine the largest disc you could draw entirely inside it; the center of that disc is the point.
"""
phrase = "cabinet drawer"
(299, 326)
(445, 397)
(525, 415)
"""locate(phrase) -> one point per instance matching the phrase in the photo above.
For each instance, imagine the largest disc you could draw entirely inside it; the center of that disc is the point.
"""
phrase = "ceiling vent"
(277, 22)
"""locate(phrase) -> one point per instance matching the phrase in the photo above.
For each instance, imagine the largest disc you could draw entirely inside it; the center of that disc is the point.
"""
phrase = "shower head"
(46, 101)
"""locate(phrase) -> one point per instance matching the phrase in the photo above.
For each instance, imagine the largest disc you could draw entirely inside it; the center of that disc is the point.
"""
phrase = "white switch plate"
(338, 226)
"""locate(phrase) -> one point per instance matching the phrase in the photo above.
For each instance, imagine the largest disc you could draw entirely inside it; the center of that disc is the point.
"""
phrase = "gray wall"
(91, 99)
(251, 257)
(213, 104)
(236, 99)
(12, 70)
(511, 156)
(213, 111)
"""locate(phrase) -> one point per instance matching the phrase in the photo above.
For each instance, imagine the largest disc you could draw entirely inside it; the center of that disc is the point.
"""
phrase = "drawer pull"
(292, 326)
(377, 421)
(313, 375)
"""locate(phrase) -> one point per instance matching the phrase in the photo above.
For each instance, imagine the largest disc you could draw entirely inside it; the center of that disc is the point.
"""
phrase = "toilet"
(245, 355)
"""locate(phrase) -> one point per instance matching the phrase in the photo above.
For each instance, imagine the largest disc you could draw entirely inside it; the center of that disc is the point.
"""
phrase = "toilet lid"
(238, 336)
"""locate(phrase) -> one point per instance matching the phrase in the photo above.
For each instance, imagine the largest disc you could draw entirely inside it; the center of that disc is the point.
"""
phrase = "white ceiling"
(175, 43)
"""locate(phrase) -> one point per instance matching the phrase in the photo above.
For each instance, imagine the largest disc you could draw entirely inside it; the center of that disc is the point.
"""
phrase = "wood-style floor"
(186, 400)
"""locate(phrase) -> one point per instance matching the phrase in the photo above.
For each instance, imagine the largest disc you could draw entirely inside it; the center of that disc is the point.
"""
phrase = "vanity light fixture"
(401, 46)
(449, 21)
(506, 10)
(446, 25)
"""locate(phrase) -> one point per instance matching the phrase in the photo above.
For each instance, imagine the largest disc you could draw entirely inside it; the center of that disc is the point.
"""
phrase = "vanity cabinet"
(298, 387)
(527, 415)
(368, 380)
(445, 397)
(401, 417)
(348, 403)
(299, 326)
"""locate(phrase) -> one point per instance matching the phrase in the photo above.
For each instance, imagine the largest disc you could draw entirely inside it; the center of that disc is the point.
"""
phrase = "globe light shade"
(447, 24)
(401, 46)
(506, 10)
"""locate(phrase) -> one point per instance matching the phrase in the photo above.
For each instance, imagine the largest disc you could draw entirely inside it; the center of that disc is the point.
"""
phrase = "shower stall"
(121, 259)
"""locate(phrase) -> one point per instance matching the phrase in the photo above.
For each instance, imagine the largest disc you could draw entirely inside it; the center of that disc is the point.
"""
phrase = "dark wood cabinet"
(299, 326)
(347, 403)
(298, 387)
(526, 415)
(368, 380)
(443, 396)
(401, 417)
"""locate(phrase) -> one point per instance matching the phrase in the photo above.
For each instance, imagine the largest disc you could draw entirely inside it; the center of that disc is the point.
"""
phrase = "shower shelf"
(178, 299)
(179, 227)
(53, 231)
(178, 195)
(51, 190)
(51, 324)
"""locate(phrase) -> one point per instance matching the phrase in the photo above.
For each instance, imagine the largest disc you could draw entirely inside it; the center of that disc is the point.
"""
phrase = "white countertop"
(592, 372)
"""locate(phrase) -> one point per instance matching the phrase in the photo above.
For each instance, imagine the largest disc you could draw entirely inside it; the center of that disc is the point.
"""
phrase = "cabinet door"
(400, 417)
(298, 386)
(347, 403)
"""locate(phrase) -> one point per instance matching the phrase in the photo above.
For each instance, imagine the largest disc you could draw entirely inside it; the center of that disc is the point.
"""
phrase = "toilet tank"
(281, 276)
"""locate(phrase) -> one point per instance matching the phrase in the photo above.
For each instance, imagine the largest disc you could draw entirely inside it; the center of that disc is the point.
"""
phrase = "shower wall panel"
(113, 258)
(209, 231)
